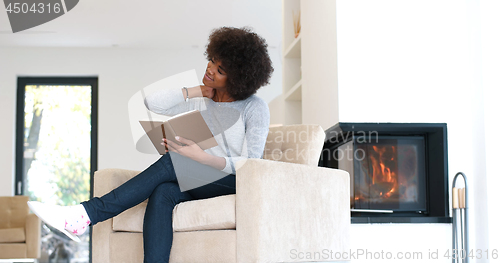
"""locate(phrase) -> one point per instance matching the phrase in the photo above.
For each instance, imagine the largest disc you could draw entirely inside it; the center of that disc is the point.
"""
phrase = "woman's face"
(215, 75)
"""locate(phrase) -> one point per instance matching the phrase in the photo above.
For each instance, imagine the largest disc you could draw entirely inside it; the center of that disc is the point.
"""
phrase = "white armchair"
(285, 205)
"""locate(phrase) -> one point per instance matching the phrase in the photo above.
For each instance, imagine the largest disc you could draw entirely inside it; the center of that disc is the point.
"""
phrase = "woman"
(238, 65)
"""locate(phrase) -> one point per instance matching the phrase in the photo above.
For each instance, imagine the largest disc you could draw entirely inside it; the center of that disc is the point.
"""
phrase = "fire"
(384, 167)
(388, 174)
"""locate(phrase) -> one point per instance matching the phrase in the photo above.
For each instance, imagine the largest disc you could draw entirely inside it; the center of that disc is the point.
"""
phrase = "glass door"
(391, 174)
(56, 152)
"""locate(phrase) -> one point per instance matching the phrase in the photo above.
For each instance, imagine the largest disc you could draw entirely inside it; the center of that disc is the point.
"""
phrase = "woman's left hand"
(190, 149)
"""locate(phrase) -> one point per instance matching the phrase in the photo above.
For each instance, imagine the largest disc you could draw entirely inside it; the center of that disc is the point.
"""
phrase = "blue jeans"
(159, 184)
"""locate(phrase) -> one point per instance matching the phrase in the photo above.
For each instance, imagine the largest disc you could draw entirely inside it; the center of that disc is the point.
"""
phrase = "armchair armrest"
(283, 209)
(106, 180)
(33, 236)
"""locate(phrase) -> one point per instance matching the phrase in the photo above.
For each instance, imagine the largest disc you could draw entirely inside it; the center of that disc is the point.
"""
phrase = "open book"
(189, 125)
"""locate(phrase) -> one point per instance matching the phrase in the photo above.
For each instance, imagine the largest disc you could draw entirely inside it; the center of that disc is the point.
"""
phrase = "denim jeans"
(159, 184)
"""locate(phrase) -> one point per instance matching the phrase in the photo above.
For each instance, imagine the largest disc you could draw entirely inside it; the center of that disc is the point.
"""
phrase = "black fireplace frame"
(436, 148)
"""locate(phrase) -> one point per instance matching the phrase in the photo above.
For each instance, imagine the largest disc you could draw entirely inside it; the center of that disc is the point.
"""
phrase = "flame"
(388, 174)
(384, 170)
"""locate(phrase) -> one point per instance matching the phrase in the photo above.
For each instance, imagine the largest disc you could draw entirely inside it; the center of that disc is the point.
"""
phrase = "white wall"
(121, 73)
(490, 56)
(402, 61)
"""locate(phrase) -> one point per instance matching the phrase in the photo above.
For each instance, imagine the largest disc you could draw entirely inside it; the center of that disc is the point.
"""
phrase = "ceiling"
(165, 24)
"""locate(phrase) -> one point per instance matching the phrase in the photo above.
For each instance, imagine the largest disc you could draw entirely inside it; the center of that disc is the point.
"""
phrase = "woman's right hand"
(200, 91)
(207, 91)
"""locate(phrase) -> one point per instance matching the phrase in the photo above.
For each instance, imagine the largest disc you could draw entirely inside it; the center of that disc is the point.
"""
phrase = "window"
(56, 150)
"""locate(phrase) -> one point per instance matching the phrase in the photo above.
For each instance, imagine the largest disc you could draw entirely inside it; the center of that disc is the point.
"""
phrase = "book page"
(181, 114)
(137, 110)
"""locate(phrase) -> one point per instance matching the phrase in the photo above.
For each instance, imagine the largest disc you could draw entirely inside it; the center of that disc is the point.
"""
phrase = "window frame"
(21, 92)
(19, 151)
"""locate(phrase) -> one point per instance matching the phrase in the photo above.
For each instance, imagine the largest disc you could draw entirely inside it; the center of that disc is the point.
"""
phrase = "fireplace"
(398, 171)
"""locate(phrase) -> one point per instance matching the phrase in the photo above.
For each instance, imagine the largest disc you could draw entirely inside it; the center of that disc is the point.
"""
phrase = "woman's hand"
(207, 91)
(200, 91)
(193, 151)
(190, 149)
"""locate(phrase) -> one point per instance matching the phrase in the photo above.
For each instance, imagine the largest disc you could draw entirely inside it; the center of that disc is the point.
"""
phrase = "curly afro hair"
(243, 54)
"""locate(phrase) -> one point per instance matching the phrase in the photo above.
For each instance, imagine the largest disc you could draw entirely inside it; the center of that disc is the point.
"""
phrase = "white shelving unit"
(295, 93)
(293, 51)
(292, 64)
(309, 65)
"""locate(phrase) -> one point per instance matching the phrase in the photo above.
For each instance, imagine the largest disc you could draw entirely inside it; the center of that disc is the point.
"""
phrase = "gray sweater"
(239, 127)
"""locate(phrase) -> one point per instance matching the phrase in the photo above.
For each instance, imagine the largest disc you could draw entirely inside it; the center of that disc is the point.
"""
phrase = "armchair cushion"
(13, 211)
(12, 235)
(207, 214)
(300, 144)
